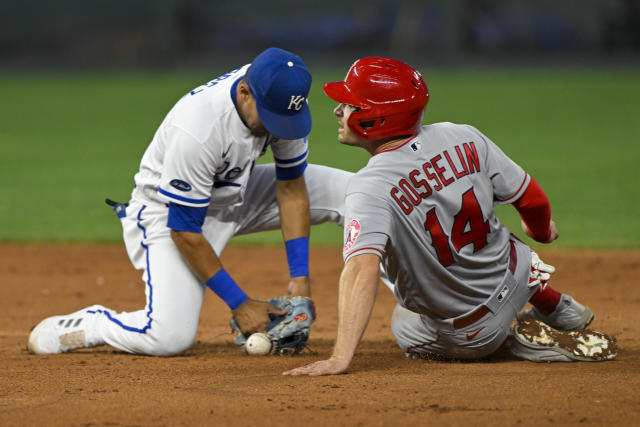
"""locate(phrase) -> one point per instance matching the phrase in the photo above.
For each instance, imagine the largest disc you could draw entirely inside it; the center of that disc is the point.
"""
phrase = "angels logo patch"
(351, 234)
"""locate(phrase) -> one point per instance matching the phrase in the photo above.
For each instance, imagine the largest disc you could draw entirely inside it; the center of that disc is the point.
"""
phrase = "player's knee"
(172, 342)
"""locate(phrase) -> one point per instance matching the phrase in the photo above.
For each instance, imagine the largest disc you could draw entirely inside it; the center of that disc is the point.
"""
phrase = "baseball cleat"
(569, 315)
(60, 334)
(538, 342)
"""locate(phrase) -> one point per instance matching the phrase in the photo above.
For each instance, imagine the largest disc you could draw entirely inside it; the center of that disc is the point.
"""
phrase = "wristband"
(298, 256)
(227, 289)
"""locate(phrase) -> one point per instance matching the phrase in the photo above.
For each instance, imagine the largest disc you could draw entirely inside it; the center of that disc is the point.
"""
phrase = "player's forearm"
(535, 211)
(358, 287)
(198, 253)
(293, 202)
(204, 263)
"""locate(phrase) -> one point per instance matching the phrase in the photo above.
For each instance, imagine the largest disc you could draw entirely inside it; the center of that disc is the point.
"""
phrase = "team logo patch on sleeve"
(180, 185)
(351, 234)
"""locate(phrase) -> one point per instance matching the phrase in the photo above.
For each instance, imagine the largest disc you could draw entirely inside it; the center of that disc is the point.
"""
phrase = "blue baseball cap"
(280, 82)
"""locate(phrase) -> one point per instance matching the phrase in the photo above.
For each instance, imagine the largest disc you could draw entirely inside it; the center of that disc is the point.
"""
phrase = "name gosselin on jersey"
(439, 172)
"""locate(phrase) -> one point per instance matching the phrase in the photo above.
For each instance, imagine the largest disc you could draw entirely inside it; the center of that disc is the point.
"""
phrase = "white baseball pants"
(168, 323)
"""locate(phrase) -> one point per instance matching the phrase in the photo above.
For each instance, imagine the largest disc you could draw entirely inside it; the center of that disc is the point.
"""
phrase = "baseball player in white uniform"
(420, 216)
(199, 185)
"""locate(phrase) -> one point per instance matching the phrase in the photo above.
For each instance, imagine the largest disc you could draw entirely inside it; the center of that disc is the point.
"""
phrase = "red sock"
(545, 299)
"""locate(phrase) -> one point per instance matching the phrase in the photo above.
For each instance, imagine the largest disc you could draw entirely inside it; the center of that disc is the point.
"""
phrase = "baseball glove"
(288, 333)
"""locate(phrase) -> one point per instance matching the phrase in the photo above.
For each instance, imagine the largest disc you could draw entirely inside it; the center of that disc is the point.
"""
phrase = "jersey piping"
(347, 256)
(146, 327)
(399, 146)
(184, 199)
(508, 199)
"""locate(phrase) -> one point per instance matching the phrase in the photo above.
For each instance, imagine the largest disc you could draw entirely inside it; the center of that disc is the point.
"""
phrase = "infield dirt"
(213, 383)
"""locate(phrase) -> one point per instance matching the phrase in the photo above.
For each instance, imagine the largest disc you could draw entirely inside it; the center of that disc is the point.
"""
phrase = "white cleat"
(60, 334)
(569, 315)
(537, 342)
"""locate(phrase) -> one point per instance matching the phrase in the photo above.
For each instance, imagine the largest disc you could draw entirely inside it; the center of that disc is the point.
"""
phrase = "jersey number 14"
(469, 227)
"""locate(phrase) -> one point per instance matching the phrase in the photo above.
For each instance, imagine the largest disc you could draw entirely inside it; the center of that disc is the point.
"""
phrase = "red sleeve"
(535, 211)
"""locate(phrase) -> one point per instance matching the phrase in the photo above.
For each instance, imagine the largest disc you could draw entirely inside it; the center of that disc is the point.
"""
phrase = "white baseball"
(258, 344)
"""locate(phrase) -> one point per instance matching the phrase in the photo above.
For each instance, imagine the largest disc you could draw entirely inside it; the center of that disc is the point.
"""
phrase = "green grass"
(68, 141)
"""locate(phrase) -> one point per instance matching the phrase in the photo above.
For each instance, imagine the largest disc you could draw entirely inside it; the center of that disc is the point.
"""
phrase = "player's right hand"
(331, 366)
(253, 315)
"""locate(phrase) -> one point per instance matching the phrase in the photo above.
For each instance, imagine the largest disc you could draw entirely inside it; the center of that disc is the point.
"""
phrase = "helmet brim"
(339, 91)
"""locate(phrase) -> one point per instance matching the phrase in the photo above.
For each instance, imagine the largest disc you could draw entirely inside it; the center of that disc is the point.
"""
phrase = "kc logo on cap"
(296, 102)
(280, 82)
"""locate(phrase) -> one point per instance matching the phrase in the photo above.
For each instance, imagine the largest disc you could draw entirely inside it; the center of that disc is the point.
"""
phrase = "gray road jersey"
(427, 208)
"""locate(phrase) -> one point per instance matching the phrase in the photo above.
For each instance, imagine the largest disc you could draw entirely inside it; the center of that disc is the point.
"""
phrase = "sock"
(545, 299)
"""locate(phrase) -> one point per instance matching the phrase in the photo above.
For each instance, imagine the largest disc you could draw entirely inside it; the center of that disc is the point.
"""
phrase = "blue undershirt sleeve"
(288, 174)
(186, 218)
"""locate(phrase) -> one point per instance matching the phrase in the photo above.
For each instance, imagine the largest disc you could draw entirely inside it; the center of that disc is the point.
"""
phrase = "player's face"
(345, 134)
(252, 120)
(248, 112)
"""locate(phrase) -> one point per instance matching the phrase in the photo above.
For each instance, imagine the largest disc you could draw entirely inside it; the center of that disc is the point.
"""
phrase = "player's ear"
(243, 91)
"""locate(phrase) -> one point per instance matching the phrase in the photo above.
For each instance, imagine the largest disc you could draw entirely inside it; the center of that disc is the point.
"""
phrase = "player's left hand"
(331, 366)
(552, 236)
(554, 232)
(254, 315)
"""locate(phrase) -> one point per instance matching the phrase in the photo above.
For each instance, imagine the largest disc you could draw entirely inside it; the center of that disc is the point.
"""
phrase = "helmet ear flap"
(363, 126)
(373, 128)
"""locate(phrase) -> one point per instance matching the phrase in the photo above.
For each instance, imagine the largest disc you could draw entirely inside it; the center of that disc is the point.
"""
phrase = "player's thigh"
(168, 323)
(327, 188)
(413, 334)
(478, 340)
(174, 294)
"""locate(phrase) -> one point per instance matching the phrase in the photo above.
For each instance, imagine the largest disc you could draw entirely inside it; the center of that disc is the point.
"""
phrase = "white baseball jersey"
(203, 154)
(427, 209)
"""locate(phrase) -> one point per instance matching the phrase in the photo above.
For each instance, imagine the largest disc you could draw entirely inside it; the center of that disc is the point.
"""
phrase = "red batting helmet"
(391, 96)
